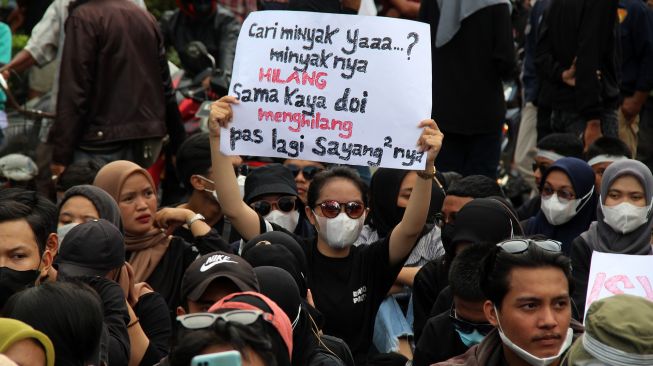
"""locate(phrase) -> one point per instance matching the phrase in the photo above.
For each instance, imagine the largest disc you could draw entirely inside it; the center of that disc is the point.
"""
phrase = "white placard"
(615, 274)
(335, 88)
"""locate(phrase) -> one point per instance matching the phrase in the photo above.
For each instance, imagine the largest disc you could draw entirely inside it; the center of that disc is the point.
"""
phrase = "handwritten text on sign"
(616, 274)
(333, 88)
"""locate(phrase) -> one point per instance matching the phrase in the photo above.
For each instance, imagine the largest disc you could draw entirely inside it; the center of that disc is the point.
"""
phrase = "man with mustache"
(527, 286)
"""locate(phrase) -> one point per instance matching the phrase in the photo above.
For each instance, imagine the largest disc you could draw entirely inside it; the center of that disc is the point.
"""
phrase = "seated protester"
(85, 203)
(271, 191)
(27, 240)
(458, 193)
(308, 349)
(452, 332)
(618, 331)
(568, 202)
(481, 220)
(76, 174)
(348, 283)
(303, 171)
(194, 172)
(72, 315)
(156, 257)
(623, 221)
(393, 326)
(213, 276)
(527, 284)
(97, 248)
(603, 152)
(24, 345)
(549, 149)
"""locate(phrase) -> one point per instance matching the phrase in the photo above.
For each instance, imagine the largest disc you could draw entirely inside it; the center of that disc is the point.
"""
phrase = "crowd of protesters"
(126, 240)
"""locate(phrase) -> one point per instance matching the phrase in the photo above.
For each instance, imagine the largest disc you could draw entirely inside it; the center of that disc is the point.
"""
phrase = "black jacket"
(218, 32)
(439, 342)
(467, 71)
(584, 30)
(636, 46)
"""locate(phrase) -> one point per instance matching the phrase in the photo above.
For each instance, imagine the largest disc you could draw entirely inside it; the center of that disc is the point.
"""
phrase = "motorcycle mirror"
(197, 49)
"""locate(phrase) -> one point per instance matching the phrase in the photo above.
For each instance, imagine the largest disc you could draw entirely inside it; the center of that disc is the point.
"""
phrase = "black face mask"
(447, 238)
(12, 281)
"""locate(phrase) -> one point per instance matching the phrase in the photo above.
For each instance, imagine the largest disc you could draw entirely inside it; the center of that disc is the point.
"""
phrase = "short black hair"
(77, 174)
(325, 176)
(498, 264)
(565, 144)
(39, 212)
(240, 337)
(69, 313)
(193, 158)
(475, 186)
(465, 272)
(608, 146)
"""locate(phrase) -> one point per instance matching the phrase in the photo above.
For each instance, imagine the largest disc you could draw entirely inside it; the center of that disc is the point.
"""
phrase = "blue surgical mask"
(470, 339)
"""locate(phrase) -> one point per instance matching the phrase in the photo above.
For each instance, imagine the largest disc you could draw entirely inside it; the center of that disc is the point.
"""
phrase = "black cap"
(91, 249)
(209, 267)
(269, 179)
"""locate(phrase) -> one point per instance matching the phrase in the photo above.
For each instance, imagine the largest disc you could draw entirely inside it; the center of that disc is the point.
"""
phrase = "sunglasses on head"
(308, 171)
(206, 320)
(516, 246)
(331, 209)
(466, 327)
(284, 204)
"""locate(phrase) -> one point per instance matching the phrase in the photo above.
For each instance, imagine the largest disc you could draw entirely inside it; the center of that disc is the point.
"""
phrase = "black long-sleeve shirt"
(636, 46)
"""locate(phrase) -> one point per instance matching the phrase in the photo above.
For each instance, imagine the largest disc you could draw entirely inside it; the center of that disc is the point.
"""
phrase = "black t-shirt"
(439, 342)
(429, 281)
(152, 312)
(348, 291)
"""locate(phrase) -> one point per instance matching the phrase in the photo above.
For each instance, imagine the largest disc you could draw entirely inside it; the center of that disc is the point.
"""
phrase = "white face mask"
(625, 217)
(558, 212)
(532, 359)
(63, 230)
(341, 231)
(287, 221)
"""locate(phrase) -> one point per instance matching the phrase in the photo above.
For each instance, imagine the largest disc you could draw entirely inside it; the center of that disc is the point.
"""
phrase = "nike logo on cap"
(215, 260)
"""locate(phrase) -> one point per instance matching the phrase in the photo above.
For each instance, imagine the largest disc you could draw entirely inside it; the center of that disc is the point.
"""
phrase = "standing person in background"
(240, 8)
(472, 53)
(577, 53)
(5, 56)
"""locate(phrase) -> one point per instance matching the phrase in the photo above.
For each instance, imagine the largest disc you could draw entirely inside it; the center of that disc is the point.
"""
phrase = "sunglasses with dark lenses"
(206, 320)
(466, 327)
(331, 209)
(541, 167)
(284, 204)
(516, 246)
(308, 171)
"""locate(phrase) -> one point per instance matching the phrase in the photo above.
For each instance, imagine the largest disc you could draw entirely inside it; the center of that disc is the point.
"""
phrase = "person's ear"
(310, 215)
(46, 263)
(180, 311)
(490, 313)
(52, 244)
(197, 183)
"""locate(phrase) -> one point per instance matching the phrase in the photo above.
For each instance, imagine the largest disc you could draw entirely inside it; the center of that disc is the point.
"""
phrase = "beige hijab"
(146, 250)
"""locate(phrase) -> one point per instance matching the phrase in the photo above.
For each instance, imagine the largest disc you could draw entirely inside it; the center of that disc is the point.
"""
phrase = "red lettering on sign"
(646, 284)
(596, 289)
(611, 284)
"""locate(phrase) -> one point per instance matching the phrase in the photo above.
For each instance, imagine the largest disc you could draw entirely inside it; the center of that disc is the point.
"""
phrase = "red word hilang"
(314, 78)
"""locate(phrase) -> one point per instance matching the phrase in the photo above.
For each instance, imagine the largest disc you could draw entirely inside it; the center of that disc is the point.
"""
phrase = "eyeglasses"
(331, 209)
(548, 191)
(284, 204)
(206, 320)
(542, 167)
(308, 171)
(466, 327)
(516, 246)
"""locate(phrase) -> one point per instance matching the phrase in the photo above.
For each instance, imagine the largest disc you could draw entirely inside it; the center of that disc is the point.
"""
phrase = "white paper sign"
(615, 274)
(328, 87)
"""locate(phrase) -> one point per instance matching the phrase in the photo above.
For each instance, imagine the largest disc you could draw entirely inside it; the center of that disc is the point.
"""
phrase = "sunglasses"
(541, 167)
(308, 171)
(466, 327)
(548, 191)
(516, 246)
(331, 209)
(284, 204)
(206, 320)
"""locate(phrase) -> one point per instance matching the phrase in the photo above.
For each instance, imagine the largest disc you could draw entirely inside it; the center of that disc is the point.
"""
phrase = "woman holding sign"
(623, 224)
(348, 283)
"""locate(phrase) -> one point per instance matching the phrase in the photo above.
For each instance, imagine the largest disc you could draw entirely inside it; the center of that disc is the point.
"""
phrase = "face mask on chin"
(341, 231)
(528, 357)
(12, 281)
(287, 221)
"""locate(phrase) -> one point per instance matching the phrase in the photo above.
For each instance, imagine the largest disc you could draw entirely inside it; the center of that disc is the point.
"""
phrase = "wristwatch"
(427, 174)
(198, 216)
